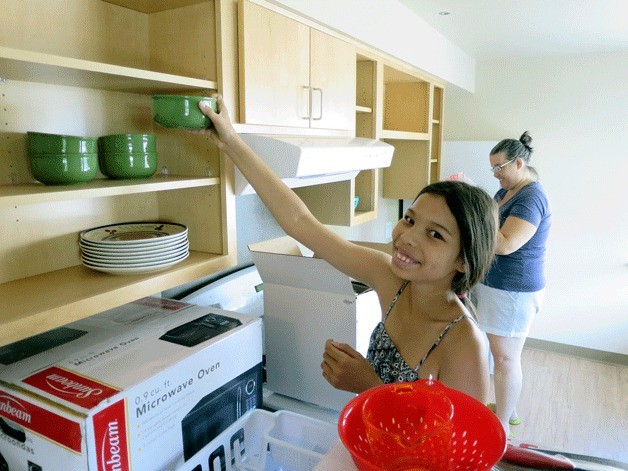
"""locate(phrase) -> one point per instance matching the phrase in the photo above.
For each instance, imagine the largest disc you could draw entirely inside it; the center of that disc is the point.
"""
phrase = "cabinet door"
(274, 68)
(333, 75)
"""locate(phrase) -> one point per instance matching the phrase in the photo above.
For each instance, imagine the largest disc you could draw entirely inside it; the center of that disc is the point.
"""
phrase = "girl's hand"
(345, 368)
(222, 133)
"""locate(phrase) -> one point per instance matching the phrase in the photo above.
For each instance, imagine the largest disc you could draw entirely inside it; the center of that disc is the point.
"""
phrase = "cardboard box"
(144, 386)
(306, 302)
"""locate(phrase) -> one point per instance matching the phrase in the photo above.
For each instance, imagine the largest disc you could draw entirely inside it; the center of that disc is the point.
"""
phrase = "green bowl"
(43, 143)
(128, 165)
(180, 111)
(118, 143)
(63, 169)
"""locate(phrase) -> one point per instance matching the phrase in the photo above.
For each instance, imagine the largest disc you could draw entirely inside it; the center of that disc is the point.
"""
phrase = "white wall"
(390, 26)
(576, 109)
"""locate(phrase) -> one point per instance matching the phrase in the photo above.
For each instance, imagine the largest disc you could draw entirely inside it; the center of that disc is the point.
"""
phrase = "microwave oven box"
(143, 386)
(306, 302)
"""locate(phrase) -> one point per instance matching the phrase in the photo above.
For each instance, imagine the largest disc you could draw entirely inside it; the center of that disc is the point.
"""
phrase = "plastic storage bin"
(297, 442)
(267, 441)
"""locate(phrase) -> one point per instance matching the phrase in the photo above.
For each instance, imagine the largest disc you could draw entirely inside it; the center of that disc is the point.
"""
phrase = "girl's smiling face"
(427, 242)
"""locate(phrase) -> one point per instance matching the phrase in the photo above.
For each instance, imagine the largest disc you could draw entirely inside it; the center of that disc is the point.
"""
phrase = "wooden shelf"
(153, 6)
(38, 193)
(29, 66)
(333, 203)
(404, 135)
(33, 305)
(360, 217)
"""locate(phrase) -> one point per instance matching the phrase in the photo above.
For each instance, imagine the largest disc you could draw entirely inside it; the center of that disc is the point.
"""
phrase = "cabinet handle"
(305, 111)
(320, 101)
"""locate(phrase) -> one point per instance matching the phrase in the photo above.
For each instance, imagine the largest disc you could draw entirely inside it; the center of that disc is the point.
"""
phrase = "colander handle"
(536, 459)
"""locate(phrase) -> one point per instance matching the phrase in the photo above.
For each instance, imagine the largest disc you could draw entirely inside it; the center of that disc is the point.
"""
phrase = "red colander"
(420, 426)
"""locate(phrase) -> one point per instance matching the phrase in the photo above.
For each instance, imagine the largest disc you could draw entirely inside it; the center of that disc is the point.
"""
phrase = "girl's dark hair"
(476, 214)
(514, 148)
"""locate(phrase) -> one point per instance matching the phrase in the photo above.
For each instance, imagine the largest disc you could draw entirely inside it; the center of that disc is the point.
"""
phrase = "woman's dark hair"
(476, 214)
(514, 148)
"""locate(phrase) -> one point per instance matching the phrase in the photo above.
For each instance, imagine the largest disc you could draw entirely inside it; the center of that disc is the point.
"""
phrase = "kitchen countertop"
(339, 459)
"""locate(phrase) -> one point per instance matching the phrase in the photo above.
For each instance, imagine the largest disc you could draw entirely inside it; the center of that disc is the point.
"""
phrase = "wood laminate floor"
(574, 405)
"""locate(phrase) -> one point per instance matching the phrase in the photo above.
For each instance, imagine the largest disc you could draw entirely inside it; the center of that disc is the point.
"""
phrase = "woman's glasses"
(498, 168)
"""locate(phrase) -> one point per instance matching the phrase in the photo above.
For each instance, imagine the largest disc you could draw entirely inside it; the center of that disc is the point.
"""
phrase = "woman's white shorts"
(505, 313)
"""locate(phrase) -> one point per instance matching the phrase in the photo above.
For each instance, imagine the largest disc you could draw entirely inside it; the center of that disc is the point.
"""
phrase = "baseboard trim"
(582, 352)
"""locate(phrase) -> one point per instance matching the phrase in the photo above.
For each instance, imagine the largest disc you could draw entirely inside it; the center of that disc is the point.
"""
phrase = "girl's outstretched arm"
(287, 208)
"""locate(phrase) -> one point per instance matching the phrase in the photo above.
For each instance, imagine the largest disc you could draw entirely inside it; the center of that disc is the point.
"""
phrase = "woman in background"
(511, 294)
(442, 247)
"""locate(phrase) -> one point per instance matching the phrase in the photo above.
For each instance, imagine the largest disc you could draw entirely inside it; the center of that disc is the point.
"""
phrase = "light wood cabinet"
(89, 68)
(412, 123)
(293, 75)
(436, 140)
(335, 203)
(402, 108)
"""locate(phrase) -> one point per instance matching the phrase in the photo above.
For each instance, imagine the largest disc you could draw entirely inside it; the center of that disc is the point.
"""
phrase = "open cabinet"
(354, 201)
(436, 140)
(89, 68)
(412, 123)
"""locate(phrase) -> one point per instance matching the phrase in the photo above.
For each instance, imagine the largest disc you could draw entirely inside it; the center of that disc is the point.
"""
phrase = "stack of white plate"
(135, 247)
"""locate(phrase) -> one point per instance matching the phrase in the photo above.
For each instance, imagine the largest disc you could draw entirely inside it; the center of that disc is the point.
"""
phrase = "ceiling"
(488, 29)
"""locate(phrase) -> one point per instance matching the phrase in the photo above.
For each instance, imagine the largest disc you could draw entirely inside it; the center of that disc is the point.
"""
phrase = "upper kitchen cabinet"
(293, 75)
(352, 202)
(89, 68)
(436, 140)
(412, 123)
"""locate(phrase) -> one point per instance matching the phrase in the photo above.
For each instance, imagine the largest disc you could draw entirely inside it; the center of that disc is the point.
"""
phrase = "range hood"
(306, 161)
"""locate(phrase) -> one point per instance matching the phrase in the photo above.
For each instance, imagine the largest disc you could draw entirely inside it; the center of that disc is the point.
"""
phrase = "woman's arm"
(514, 233)
(287, 208)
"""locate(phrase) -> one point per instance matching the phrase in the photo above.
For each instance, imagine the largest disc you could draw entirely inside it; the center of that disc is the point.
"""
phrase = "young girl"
(442, 247)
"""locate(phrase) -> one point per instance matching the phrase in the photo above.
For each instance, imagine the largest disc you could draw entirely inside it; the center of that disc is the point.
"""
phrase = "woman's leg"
(507, 375)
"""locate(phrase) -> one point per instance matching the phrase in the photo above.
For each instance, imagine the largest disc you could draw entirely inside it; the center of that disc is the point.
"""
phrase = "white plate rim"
(151, 243)
(135, 270)
(131, 253)
(95, 235)
(138, 264)
(128, 260)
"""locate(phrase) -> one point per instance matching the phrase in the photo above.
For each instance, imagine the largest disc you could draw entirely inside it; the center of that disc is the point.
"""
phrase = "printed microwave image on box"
(200, 330)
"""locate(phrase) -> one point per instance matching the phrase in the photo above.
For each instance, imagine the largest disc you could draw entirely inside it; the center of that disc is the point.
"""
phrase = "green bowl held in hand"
(180, 111)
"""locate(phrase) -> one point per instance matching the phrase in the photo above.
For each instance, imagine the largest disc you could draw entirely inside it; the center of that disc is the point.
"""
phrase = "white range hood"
(306, 161)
